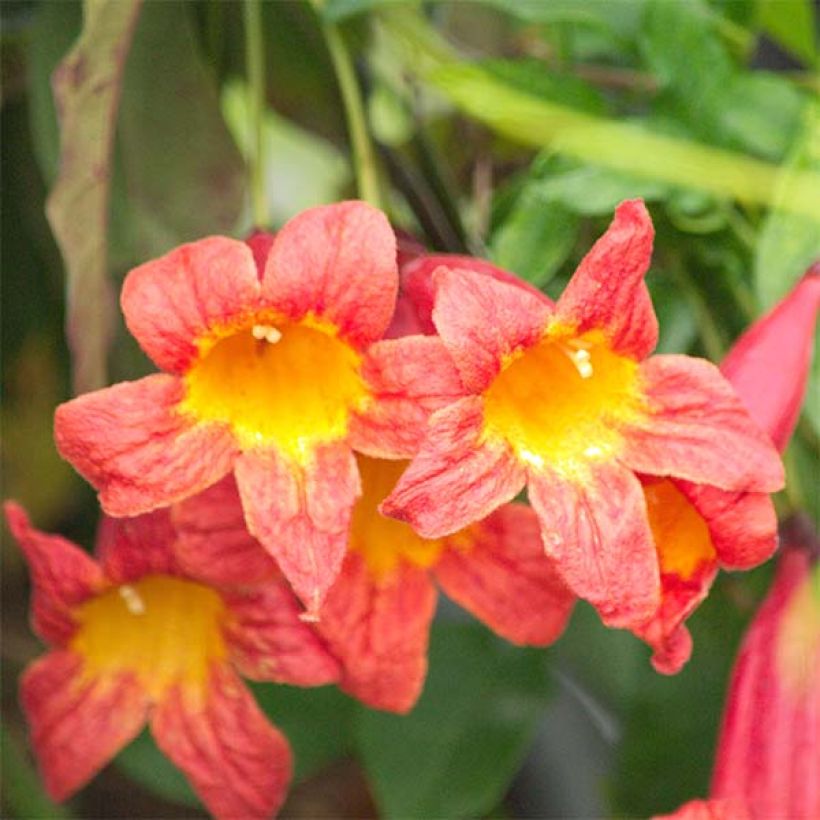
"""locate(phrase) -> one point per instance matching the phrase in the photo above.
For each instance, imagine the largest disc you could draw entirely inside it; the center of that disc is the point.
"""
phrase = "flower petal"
(131, 548)
(598, 535)
(77, 724)
(237, 762)
(713, 809)
(268, 640)
(62, 576)
(130, 443)
(379, 630)
(743, 526)
(408, 380)
(456, 478)
(769, 364)
(337, 262)
(301, 513)
(498, 571)
(607, 291)
(214, 545)
(697, 429)
(173, 302)
(482, 321)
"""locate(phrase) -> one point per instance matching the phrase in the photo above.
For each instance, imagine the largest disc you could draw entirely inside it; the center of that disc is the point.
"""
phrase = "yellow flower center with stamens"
(382, 541)
(560, 403)
(291, 386)
(681, 536)
(162, 629)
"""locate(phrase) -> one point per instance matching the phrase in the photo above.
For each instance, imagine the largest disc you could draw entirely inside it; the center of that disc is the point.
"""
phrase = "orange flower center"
(291, 386)
(162, 629)
(385, 542)
(561, 402)
(681, 536)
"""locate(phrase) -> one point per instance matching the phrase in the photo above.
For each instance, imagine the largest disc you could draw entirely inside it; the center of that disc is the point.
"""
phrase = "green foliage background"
(504, 128)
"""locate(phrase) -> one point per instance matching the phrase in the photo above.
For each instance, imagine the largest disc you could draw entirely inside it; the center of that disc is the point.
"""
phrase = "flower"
(769, 746)
(698, 529)
(132, 638)
(275, 372)
(708, 810)
(563, 399)
(376, 617)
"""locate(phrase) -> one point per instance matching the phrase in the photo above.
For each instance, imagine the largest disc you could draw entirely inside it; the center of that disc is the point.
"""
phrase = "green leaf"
(318, 722)
(455, 754)
(86, 89)
(334, 11)
(793, 25)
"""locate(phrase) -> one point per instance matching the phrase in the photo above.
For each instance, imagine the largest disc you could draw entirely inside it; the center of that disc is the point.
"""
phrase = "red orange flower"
(274, 373)
(133, 638)
(563, 399)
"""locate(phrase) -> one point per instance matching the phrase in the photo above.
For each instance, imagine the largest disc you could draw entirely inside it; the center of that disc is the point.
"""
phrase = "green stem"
(255, 68)
(364, 157)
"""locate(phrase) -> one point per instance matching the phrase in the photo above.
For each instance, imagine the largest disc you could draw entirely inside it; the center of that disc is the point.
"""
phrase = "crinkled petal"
(130, 443)
(769, 364)
(268, 640)
(336, 262)
(482, 321)
(697, 429)
(418, 287)
(301, 513)
(456, 478)
(408, 379)
(743, 526)
(77, 724)
(213, 543)
(498, 571)
(62, 575)
(608, 291)
(130, 548)
(379, 630)
(175, 301)
(597, 532)
(237, 762)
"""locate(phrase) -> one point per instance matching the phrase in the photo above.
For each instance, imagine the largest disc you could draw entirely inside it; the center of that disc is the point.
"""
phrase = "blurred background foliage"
(504, 128)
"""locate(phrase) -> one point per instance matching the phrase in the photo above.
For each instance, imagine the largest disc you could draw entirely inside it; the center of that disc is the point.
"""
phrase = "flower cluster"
(340, 428)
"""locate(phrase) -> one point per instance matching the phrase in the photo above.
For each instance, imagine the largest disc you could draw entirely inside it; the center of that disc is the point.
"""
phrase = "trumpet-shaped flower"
(133, 638)
(376, 617)
(273, 371)
(566, 400)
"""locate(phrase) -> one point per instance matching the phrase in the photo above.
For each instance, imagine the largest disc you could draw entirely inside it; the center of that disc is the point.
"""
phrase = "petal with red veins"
(697, 429)
(213, 543)
(379, 629)
(456, 478)
(130, 548)
(597, 532)
(408, 380)
(63, 576)
(482, 321)
(237, 762)
(336, 262)
(268, 640)
(177, 300)
(77, 724)
(608, 292)
(498, 571)
(742, 526)
(130, 442)
(301, 513)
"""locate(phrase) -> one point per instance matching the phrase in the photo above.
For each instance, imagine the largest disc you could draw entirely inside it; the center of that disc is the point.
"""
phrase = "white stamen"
(531, 458)
(267, 332)
(273, 335)
(593, 451)
(133, 602)
(583, 364)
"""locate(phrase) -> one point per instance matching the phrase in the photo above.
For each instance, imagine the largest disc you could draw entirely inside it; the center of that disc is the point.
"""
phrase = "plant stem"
(364, 157)
(255, 68)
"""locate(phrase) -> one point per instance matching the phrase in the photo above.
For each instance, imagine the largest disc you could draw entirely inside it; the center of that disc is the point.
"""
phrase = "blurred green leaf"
(455, 754)
(793, 25)
(87, 92)
(318, 722)
(336, 10)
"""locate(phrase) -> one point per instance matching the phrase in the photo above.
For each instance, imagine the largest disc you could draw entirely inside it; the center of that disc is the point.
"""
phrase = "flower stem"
(255, 68)
(364, 157)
